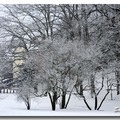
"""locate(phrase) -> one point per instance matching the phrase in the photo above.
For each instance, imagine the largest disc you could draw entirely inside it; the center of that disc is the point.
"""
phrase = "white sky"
(59, 1)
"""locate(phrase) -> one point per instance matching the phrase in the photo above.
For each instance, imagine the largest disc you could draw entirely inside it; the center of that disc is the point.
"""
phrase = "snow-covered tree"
(71, 45)
(30, 82)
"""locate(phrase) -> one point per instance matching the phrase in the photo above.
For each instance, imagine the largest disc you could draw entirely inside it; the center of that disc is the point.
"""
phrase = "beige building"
(18, 59)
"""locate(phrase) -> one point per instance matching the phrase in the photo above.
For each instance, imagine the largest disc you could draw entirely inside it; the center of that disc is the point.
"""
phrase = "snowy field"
(9, 106)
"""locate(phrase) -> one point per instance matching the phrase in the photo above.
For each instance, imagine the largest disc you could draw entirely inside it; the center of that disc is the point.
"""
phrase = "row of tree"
(66, 48)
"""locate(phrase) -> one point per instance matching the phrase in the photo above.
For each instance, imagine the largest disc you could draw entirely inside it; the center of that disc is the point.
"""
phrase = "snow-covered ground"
(9, 106)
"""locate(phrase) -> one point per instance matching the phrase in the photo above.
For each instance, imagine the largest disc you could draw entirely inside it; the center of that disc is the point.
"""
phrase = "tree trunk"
(92, 79)
(53, 105)
(28, 106)
(78, 22)
(68, 98)
(3, 90)
(53, 100)
(63, 100)
(27, 102)
(117, 74)
(85, 33)
(86, 103)
(6, 90)
(81, 87)
(103, 100)
(96, 102)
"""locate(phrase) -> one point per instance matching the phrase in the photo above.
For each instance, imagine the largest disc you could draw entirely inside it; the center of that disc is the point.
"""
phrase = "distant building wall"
(19, 60)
